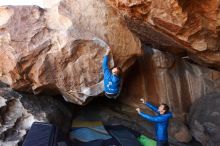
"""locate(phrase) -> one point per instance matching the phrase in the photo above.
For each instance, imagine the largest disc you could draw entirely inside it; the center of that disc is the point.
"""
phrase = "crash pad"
(145, 141)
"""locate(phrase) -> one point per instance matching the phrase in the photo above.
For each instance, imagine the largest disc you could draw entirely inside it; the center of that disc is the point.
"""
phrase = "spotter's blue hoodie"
(111, 82)
(161, 122)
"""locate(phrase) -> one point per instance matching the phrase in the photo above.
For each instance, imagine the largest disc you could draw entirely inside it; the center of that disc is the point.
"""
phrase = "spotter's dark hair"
(165, 107)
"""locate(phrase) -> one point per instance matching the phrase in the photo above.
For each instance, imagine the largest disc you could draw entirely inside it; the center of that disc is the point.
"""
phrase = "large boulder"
(59, 50)
(18, 112)
(162, 77)
(204, 119)
(184, 27)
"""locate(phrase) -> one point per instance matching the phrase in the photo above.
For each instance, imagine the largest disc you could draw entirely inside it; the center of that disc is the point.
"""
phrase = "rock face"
(162, 77)
(204, 120)
(178, 26)
(56, 50)
(179, 131)
(19, 112)
(59, 50)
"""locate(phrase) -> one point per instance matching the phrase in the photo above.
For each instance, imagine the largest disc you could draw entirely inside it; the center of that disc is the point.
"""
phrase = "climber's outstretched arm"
(105, 67)
(155, 119)
(152, 107)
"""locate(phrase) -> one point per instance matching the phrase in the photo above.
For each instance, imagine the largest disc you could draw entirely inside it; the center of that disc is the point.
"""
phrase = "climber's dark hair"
(165, 107)
(120, 70)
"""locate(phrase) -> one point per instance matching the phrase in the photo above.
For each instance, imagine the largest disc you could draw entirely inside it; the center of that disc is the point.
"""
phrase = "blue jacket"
(111, 82)
(161, 122)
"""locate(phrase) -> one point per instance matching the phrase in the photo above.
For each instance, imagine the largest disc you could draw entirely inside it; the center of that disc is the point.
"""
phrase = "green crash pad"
(145, 141)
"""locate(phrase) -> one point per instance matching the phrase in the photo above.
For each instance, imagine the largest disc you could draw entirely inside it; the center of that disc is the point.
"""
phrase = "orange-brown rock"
(55, 50)
(179, 26)
(162, 77)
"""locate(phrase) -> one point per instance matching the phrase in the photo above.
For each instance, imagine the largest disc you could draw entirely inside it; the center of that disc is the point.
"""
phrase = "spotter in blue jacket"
(161, 122)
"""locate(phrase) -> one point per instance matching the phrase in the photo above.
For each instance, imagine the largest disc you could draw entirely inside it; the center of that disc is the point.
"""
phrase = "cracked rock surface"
(18, 112)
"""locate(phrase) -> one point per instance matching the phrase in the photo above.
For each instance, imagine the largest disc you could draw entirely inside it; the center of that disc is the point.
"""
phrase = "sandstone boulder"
(162, 77)
(57, 50)
(180, 26)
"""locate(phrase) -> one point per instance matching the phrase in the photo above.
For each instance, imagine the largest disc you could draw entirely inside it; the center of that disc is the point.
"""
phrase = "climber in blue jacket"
(161, 121)
(112, 78)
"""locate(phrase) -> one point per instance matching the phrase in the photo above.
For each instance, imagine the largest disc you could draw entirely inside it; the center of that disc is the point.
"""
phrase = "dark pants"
(162, 143)
(112, 96)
